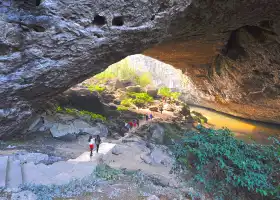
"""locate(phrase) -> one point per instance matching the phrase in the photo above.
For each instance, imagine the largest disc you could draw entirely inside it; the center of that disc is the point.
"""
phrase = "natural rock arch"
(193, 35)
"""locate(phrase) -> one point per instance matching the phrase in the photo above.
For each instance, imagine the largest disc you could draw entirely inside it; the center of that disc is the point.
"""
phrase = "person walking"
(90, 140)
(130, 124)
(134, 123)
(151, 116)
(97, 142)
(147, 117)
(138, 123)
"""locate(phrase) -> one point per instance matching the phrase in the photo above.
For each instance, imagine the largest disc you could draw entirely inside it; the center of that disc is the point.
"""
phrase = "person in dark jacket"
(147, 117)
(97, 142)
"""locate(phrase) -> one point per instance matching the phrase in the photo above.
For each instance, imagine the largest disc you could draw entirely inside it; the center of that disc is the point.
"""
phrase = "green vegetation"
(72, 111)
(228, 167)
(122, 108)
(199, 117)
(123, 71)
(96, 88)
(139, 99)
(166, 92)
(145, 79)
(106, 172)
(127, 102)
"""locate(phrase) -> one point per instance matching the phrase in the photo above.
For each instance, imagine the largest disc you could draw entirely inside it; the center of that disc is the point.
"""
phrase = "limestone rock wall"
(49, 48)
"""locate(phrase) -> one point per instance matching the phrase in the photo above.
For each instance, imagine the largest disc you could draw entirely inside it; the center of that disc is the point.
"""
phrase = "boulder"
(153, 108)
(117, 102)
(136, 88)
(24, 195)
(169, 107)
(31, 157)
(157, 133)
(160, 157)
(118, 84)
(69, 130)
(117, 150)
(152, 92)
(113, 106)
(147, 159)
(153, 197)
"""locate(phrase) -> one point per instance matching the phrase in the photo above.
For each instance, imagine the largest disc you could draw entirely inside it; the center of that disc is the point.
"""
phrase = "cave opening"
(118, 21)
(99, 20)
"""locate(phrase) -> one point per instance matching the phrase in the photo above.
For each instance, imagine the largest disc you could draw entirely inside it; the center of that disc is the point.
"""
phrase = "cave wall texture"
(230, 49)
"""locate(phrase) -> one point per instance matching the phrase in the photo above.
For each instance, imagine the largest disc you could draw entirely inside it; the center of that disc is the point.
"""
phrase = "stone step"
(14, 175)
(3, 170)
(58, 173)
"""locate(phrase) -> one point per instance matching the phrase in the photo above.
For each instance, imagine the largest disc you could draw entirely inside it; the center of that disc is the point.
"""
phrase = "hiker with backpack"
(90, 140)
(97, 142)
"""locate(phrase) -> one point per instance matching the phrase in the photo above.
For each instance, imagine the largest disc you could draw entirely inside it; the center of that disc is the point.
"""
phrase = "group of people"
(94, 141)
(134, 123)
(149, 117)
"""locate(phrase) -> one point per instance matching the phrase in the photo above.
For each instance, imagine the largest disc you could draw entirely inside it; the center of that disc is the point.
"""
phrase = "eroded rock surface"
(47, 49)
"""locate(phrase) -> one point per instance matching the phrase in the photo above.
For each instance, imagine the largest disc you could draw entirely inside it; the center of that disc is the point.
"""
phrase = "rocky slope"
(229, 48)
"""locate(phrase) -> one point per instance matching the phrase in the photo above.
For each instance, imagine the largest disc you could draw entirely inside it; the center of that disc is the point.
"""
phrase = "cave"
(118, 21)
(99, 20)
(37, 67)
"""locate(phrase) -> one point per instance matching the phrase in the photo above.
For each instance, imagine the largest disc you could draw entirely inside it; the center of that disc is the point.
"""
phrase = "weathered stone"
(153, 197)
(152, 92)
(157, 133)
(31, 157)
(3, 170)
(231, 57)
(112, 106)
(147, 159)
(24, 195)
(136, 88)
(153, 108)
(118, 84)
(117, 150)
(159, 157)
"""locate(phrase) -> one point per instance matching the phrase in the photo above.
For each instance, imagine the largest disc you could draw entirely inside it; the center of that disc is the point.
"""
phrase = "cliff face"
(229, 48)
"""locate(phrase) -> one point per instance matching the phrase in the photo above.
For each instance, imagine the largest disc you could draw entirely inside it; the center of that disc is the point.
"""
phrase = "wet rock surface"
(232, 57)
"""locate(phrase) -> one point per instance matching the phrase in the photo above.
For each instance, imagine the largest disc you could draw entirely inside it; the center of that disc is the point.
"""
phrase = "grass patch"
(122, 108)
(72, 111)
(228, 167)
(96, 88)
(106, 172)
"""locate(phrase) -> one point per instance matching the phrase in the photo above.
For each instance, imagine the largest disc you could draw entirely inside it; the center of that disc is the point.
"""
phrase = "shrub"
(106, 172)
(227, 166)
(199, 117)
(144, 79)
(59, 109)
(105, 75)
(166, 92)
(140, 99)
(122, 108)
(127, 102)
(92, 115)
(96, 88)
(73, 111)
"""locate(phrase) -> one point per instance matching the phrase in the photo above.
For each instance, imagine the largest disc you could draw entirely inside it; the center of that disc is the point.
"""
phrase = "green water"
(247, 130)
